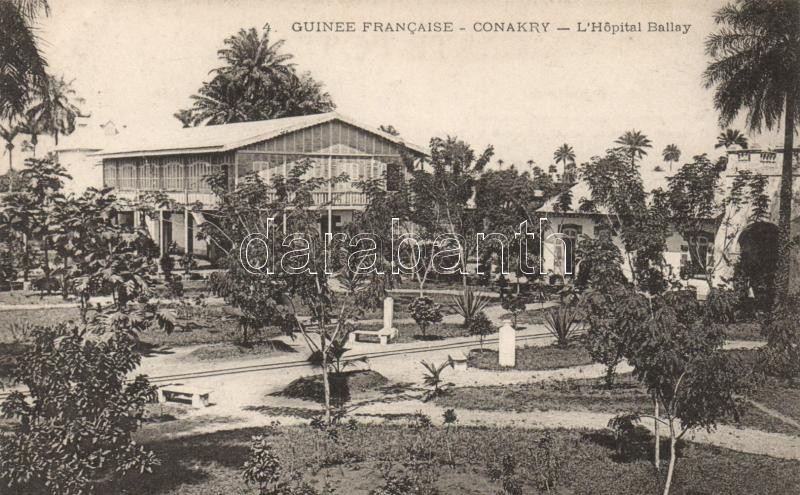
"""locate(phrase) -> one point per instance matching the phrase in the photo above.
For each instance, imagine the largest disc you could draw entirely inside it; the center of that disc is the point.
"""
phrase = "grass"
(533, 316)
(352, 461)
(532, 358)
(228, 350)
(343, 386)
(585, 394)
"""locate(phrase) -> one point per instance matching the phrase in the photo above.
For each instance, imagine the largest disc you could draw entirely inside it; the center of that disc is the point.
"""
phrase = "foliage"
(636, 216)
(24, 65)
(481, 326)
(76, 427)
(729, 137)
(256, 82)
(264, 469)
(671, 154)
(753, 67)
(425, 312)
(441, 195)
(469, 304)
(432, 377)
(613, 315)
(506, 473)
(678, 356)
(547, 459)
(514, 304)
(633, 144)
(562, 323)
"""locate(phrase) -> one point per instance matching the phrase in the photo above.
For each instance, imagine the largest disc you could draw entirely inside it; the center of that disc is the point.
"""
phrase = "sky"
(137, 62)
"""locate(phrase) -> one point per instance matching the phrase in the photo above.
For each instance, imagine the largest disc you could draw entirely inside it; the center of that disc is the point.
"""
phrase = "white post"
(389, 331)
(507, 346)
(330, 193)
(187, 237)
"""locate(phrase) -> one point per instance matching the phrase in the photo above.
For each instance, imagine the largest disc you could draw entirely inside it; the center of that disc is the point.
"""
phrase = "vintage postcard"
(399, 247)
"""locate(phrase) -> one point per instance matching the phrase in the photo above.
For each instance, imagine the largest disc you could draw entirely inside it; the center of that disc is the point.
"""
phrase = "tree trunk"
(657, 447)
(64, 279)
(325, 383)
(671, 468)
(782, 276)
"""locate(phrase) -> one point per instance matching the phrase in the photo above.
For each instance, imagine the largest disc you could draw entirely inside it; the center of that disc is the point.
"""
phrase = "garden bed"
(351, 462)
(343, 386)
(232, 350)
(532, 358)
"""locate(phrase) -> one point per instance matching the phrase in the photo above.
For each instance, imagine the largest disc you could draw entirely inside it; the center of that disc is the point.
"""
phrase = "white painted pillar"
(507, 346)
(187, 233)
(330, 194)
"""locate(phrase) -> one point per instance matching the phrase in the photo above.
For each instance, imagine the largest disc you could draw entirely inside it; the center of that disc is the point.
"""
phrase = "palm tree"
(56, 108)
(500, 163)
(186, 116)
(754, 59)
(9, 132)
(22, 67)
(220, 101)
(252, 61)
(564, 154)
(633, 143)
(729, 138)
(671, 154)
(33, 127)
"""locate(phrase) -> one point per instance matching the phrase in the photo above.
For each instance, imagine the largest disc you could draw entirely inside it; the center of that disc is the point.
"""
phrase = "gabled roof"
(227, 137)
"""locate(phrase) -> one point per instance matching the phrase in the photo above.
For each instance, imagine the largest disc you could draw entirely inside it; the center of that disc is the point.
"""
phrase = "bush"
(481, 326)
(265, 470)
(469, 304)
(425, 312)
(562, 323)
(514, 305)
(76, 427)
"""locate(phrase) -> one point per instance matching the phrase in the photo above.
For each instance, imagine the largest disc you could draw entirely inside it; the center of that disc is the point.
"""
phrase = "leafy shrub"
(469, 304)
(76, 427)
(562, 323)
(425, 312)
(547, 459)
(433, 378)
(264, 469)
(514, 305)
(506, 473)
(481, 326)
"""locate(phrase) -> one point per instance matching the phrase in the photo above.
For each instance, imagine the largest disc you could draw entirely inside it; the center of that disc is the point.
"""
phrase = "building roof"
(89, 135)
(226, 137)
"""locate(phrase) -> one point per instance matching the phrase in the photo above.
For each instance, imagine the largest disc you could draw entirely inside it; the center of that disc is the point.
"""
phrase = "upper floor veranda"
(177, 165)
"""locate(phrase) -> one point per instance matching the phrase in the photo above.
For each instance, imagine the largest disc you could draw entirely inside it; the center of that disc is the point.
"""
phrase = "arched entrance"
(758, 256)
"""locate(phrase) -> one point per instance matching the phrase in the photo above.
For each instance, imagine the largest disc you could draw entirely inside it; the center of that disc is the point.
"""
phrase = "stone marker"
(507, 346)
(386, 334)
(388, 313)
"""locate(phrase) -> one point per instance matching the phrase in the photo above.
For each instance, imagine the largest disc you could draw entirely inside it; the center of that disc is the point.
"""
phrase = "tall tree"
(256, 82)
(633, 143)
(729, 137)
(671, 154)
(754, 59)
(56, 107)
(22, 66)
(9, 133)
(564, 155)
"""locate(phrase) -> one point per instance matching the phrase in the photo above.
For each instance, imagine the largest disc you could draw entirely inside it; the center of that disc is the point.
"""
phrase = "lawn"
(532, 358)
(454, 460)
(584, 394)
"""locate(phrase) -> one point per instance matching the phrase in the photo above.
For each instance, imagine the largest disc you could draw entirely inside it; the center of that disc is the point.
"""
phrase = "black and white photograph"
(352, 247)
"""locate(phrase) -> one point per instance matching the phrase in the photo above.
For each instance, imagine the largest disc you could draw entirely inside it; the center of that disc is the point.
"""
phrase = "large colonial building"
(720, 244)
(176, 164)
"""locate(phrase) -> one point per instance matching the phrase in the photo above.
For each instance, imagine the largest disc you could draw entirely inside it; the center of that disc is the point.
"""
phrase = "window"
(110, 175)
(572, 233)
(195, 175)
(149, 177)
(173, 176)
(127, 177)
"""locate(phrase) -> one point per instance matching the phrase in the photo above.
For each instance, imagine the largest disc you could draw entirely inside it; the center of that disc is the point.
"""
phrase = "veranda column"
(162, 245)
(330, 193)
(187, 230)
